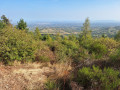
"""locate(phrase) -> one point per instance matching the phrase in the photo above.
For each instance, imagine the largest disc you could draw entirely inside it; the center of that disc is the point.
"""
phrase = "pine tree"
(85, 38)
(86, 29)
(5, 20)
(22, 25)
(37, 34)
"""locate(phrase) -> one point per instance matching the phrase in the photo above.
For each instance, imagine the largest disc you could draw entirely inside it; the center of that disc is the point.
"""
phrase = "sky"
(60, 10)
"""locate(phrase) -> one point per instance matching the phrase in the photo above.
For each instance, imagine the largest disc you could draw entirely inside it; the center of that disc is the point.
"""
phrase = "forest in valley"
(75, 62)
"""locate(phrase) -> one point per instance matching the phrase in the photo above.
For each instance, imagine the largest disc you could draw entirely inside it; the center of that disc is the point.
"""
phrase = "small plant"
(116, 55)
(51, 85)
(106, 79)
(59, 50)
(43, 58)
(98, 49)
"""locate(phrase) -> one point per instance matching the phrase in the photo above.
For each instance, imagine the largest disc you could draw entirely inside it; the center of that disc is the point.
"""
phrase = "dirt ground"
(30, 76)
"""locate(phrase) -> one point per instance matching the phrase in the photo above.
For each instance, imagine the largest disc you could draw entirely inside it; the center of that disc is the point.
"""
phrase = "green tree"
(22, 25)
(47, 38)
(16, 45)
(117, 36)
(37, 34)
(58, 37)
(72, 38)
(85, 37)
(5, 20)
(104, 79)
(86, 29)
(2, 25)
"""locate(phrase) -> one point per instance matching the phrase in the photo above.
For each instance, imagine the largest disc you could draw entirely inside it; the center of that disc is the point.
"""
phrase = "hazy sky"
(60, 10)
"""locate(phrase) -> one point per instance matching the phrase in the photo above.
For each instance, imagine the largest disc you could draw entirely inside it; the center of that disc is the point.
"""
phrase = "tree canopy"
(4, 22)
(22, 25)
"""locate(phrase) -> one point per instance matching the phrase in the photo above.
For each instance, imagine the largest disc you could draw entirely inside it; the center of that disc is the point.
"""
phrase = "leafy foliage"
(107, 79)
(98, 49)
(85, 38)
(116, 55)
(5, 20)
(22, 25)
(51, 85)
(2, 25)
(86, 29)
(15, 45)
(117, 36)
(37, 34)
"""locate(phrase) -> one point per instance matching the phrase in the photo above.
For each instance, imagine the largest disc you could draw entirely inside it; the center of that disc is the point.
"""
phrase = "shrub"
(110, 43)
(117, 36)
(2, 25)
(43, 58)
(98, 49)
(44, 53)
(46, 37)
(59, 50)
(61, 53)
(71, 47)
(106, 79)
(103, 47)
(16, 45)
(70, 44)
(85, 42)
(51, 85)
(116, 55)
(37, 34)
(80, 54)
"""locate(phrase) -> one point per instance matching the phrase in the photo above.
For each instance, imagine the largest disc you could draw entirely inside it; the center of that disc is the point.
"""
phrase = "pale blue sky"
(60, 10)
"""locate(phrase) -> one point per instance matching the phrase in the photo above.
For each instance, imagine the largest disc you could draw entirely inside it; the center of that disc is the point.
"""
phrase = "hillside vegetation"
(73, 62)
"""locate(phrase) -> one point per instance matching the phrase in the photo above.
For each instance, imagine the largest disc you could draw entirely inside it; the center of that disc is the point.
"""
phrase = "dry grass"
(31, 75)
(62, 70)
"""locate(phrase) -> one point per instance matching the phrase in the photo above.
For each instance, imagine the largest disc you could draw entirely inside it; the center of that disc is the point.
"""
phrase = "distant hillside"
(110, 28)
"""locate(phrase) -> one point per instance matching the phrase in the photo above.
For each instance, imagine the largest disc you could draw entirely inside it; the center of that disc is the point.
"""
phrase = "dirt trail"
(29, 76)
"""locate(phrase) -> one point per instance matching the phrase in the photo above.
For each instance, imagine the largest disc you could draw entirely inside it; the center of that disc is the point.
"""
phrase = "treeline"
(19, 44)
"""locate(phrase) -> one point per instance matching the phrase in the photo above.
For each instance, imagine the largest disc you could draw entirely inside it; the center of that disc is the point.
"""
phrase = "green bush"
(85, 42)
(80, 54)
(98, 49)
(51, 85)
(37, 34)
(42, 58)
(103, 47)
(116, 55)
(71, 47)
(110, 44)
(60, 51)
(117, 36)
(106, 79)
(2, 25)
(67, 49)
(16, 45)
(72, 38)
(46, 37)
(70, 44)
